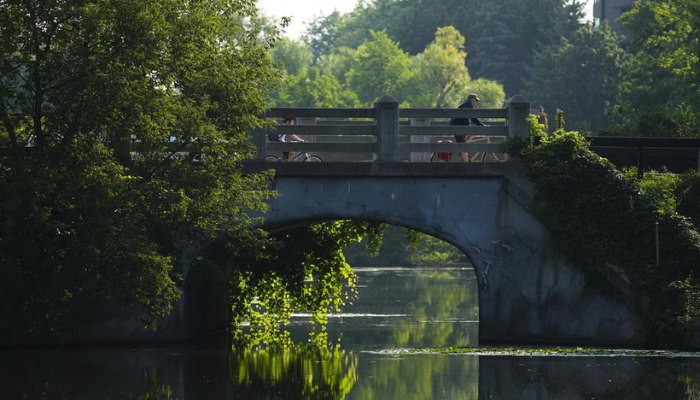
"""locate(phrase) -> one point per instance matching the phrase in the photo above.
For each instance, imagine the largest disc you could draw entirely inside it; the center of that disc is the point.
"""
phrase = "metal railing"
(676, 154)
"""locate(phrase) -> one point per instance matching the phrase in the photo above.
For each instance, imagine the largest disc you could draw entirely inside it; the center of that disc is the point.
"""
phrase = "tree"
(139, 111)
(507, 34)
(322, 33)
(664, 42)
(583, 77)
(302, 271)
(379, 67)
(410, 22)
(293, 55)
(313, 88)
(338, 62)
(503, 36)
(440, 77)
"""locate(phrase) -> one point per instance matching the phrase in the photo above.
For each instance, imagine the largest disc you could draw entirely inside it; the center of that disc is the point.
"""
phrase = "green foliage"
(499, 33)
(440, 76)
(508, 33)
(491, 93)
(379, 67)
(661, 121)
(321, 35)
(338, 63)
(665, 46)
(597, 215)
(348, 77)
(301, 270)
(293, 55)
(313, 88)
(74, 236)
(661, 186)
(687, 193)
(672, 192)
(583, 76)
(560, 121)
(139, 113)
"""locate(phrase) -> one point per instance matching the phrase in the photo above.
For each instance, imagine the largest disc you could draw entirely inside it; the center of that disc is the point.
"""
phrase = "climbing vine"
(599, 215)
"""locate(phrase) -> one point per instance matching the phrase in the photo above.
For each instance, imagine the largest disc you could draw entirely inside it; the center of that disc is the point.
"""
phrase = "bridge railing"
(389, 133)
(674, 154)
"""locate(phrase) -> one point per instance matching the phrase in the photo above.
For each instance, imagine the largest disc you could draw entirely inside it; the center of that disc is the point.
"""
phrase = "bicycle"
(445, 156)
(300, 156)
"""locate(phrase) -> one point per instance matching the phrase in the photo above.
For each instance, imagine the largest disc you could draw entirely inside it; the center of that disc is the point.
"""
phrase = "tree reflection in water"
(440, 301)
(155, 388)
(300, 371)
(414, 376)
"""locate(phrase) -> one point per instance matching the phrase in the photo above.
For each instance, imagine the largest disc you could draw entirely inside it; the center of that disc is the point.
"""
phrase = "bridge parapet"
(387, 132)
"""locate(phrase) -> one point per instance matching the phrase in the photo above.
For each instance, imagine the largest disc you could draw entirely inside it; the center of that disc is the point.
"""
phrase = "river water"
(398, 311)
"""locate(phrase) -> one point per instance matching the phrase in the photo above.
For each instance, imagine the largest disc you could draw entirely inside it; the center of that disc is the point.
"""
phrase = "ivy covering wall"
(599, 215)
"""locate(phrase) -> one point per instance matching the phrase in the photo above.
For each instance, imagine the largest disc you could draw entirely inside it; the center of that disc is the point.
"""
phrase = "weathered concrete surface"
(527, 291)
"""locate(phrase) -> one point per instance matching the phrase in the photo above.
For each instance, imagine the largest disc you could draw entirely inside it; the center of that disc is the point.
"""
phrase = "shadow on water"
(409, 309)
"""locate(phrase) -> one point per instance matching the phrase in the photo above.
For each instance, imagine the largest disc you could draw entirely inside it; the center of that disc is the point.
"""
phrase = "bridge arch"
(455, 213)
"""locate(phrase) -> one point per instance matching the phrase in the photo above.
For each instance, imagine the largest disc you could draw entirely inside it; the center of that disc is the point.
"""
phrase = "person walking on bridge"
(471, 102)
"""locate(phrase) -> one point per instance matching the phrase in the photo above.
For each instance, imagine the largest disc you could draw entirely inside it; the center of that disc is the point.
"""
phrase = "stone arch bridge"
(528, 291)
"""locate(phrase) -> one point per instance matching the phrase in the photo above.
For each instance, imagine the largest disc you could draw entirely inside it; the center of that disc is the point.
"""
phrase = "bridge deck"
(393, 169)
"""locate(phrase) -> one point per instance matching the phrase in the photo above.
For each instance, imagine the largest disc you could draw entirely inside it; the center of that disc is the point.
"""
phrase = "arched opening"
(418, 292)
(422, 302)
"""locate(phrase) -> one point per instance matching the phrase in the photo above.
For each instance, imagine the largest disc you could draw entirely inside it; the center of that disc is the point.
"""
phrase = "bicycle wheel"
(313, 159)
(490, 157)
(477, 157)
(271, 158)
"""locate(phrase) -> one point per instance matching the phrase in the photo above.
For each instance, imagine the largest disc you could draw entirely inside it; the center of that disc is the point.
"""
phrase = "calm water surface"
(397, 309)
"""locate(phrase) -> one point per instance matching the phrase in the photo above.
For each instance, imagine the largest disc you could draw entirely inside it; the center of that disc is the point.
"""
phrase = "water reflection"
(396, 309)
(305, 373)
(299, 372)
(444, 311)
(401, 307)
(439, 376)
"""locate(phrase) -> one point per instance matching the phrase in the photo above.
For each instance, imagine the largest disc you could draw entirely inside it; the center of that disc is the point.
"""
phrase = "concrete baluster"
(387, 128)
(518, 111)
